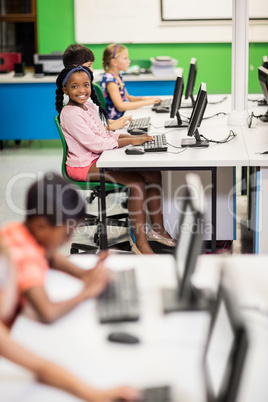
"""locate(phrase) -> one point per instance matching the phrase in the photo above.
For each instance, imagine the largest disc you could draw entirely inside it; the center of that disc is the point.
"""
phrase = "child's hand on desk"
(119, 123)
(96, 279)
(140, 139)
(122, 394)
(152, 100)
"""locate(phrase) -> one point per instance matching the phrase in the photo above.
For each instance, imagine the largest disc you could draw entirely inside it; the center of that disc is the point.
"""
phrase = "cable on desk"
(261, 102)
(155, 126)
(220, 101)
(167, 126)
(214, 115)
(186, 119)
(229, 138)
(175, 153)
(166, 132)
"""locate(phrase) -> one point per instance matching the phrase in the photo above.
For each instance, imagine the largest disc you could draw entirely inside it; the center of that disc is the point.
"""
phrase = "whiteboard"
(210, 10)
(139, 21)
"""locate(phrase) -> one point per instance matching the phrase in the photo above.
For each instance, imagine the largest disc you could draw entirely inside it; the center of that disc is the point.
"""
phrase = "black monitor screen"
(263, 80)
(226, 349)
(187, 250)
(191, 80)
(176, 104)
(190, 237)
(196, 119)
(265, 62)
(178, 91)
(219, 349)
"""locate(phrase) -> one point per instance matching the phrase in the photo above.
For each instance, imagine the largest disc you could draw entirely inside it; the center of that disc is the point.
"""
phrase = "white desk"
(165, 355)
(170, 351)
(224, 156)
(248, 278)
(257, 141)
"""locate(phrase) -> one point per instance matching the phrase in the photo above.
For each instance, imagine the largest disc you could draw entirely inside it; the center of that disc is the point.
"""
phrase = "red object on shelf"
(7, 61)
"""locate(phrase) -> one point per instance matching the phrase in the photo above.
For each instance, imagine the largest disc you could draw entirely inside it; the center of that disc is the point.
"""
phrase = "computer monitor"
(176, 104)
(188, 248)
(193, 139)
(265, 62)
(263, 80)
(190, 82)
(263, 102)
(226, 349)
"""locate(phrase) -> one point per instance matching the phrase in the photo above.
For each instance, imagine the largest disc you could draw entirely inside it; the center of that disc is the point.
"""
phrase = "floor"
(22, 164)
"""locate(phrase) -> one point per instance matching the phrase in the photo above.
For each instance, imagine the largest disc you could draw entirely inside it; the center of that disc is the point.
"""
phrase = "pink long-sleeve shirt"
(85, 135)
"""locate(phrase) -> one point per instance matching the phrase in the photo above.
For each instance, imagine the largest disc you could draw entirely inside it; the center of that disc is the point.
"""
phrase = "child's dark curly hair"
(59, 92)
(77, 55)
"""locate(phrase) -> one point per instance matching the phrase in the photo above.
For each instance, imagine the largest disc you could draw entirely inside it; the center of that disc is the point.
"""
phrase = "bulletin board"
(140, 21)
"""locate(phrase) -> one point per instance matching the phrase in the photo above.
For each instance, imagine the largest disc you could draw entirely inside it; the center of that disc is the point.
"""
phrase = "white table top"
(233, 153)
(244, 150)
(170, 351)
(164, 357)
(256, 139)
(249, 275)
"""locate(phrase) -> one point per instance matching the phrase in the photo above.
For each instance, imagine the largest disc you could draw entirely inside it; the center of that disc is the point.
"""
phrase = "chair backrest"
(64, 148)
(83, 185)
(100, 94)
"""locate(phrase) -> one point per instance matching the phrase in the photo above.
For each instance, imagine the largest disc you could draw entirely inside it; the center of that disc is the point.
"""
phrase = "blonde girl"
(118, 100)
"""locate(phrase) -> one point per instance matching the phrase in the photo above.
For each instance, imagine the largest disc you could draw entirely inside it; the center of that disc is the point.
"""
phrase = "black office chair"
(120, 220)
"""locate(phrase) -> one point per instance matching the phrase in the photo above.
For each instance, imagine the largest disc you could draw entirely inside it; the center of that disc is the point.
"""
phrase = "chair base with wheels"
(119, 220)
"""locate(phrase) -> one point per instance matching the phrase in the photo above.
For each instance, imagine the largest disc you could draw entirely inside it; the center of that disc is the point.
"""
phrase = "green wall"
(56, 31)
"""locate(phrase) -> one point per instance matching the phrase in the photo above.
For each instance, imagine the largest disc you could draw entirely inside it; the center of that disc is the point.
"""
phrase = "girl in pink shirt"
(86, 138)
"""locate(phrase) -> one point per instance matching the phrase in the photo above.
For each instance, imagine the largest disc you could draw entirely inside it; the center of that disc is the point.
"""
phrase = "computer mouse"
(137, 131)
(123, 337)
(162, 110)
(134, 151)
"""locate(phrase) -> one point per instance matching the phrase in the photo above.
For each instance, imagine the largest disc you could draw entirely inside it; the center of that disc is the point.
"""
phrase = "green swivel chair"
(100, 94)
(120, 220)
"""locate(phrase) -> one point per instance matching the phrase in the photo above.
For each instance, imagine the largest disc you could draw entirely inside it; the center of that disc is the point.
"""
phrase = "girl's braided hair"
(60, 94)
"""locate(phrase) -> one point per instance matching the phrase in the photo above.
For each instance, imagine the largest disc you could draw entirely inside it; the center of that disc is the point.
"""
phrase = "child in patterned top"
(118, 100)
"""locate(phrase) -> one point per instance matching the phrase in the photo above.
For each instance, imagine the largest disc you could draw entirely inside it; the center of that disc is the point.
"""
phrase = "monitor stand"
(194, 143)
(172, 302)
(262, 102)
(176, 123)
(264, 118)
(183, 106)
